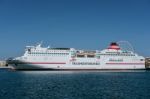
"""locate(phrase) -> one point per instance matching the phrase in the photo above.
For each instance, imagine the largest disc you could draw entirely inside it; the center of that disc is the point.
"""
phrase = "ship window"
(80, 56)
(98, 56)
(91, 56)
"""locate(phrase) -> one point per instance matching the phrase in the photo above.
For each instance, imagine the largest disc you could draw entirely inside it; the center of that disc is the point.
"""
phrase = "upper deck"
(112, 50)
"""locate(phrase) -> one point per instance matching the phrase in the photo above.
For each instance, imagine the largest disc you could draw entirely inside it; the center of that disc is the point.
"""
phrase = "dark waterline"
(74, 85)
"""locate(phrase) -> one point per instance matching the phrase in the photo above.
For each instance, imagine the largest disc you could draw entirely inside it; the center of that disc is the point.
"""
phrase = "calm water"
(74, 85)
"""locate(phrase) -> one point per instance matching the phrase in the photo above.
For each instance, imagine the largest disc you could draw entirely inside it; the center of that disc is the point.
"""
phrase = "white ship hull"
(77, 67)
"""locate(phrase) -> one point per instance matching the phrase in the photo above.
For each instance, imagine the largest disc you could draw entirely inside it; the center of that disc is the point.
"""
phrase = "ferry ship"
(46, 58)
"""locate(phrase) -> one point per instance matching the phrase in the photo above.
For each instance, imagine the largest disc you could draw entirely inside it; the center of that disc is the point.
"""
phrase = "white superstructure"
(37, 57)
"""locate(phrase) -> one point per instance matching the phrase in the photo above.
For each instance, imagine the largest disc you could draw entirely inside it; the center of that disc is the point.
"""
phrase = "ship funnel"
(114, 45)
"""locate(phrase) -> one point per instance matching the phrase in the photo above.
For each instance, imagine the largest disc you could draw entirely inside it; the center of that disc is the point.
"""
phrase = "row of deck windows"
(47, 51)
(62, 54)
(118, 54)
(85, 63)
(57, 54)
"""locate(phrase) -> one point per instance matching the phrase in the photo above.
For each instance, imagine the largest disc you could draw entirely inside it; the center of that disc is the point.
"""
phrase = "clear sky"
(82, 24)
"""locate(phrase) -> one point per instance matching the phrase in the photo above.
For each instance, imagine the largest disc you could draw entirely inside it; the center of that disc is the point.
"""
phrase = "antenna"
(48, 46)
(39, 44)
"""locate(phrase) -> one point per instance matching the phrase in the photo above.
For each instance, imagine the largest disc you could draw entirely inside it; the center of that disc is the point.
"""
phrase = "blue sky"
(83, 24)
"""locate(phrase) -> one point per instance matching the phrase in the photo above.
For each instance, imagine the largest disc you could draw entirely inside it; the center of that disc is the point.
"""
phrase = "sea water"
(74, 84)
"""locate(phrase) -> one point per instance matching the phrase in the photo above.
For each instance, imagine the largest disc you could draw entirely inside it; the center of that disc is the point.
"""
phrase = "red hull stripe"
(125, 63)
(43, 63)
